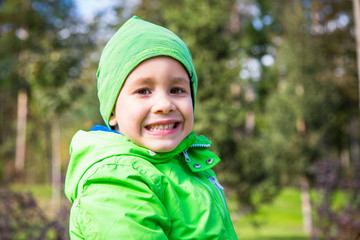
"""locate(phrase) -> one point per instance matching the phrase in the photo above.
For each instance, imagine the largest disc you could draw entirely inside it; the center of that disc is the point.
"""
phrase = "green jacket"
(122, 191)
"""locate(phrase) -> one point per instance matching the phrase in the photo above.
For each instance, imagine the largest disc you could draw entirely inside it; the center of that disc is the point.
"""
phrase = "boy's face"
(154, 108)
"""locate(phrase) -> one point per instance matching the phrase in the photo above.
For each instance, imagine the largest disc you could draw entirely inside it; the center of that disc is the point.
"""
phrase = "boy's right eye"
(143, 91)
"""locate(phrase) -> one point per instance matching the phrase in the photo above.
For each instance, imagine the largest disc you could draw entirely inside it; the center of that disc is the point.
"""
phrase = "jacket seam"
(135, 167)
(153, 187)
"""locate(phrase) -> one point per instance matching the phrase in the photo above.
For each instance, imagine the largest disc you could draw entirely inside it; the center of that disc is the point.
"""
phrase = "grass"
(279, 220)
(40, 192)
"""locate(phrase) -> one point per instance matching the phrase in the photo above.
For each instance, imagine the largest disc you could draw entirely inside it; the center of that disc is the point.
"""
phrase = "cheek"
(131, 117)
(191, 120)
(189, 114)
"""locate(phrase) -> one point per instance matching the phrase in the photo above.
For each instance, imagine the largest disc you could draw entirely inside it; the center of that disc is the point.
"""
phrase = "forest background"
(278, 96)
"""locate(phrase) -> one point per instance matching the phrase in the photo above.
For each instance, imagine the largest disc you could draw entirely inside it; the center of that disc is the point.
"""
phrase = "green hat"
(136, 41)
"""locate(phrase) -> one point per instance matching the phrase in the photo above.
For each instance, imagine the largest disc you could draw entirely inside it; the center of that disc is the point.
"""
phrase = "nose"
(163, 103)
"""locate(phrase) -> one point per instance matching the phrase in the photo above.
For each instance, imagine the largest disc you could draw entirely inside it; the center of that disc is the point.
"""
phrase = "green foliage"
(305, 117)
(43, 48)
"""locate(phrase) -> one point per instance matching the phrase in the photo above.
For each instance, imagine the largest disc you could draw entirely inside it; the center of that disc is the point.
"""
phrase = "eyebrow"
(180, 80)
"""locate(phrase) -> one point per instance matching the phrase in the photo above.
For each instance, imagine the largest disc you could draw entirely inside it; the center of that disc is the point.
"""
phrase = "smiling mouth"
(161, 127)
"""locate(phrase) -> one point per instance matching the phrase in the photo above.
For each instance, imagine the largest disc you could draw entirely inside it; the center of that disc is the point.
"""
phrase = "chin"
(163, 148)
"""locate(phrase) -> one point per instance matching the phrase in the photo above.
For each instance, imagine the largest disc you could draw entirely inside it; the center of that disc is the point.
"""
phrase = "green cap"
(135, 41)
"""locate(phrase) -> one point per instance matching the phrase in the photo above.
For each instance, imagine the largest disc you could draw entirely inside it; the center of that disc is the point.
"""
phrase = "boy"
(146, 175)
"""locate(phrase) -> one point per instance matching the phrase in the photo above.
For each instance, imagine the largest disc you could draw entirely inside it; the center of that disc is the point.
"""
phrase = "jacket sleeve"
(119, 202)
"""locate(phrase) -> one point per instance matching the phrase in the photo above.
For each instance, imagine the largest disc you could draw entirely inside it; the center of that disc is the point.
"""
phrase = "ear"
(112, 120)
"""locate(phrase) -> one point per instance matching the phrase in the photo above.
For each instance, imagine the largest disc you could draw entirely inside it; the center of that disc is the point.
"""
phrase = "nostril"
(163, 107)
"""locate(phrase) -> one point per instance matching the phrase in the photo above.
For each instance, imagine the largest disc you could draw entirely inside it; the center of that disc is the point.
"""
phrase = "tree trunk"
(56, 160)
(356, 8)
(354, 142)
(21, 133)
(250, 123)
(306, 205)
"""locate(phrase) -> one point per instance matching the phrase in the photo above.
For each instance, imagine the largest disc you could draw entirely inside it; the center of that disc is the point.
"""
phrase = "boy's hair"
(136, 41)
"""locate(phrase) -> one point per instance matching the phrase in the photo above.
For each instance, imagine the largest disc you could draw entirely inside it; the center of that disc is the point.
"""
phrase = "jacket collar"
(193, 149)
(89, 148)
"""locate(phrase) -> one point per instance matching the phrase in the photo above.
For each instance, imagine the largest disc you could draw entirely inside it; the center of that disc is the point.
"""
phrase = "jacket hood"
(89, 148)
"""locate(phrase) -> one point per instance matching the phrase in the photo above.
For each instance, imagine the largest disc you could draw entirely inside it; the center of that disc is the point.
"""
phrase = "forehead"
(157, 67)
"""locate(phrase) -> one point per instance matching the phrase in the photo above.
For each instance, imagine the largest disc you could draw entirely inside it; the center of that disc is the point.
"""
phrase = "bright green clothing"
(122, 191)
(134, 42)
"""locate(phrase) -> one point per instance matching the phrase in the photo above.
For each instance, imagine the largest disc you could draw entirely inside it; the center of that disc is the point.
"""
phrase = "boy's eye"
(143, 91)
(176, 91)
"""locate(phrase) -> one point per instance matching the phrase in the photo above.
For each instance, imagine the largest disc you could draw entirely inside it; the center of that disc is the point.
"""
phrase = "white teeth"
(161, 127)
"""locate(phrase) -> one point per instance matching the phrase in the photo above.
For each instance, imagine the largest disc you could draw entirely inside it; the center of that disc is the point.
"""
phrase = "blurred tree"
(307, 117)
(356, 13)
(43, 45)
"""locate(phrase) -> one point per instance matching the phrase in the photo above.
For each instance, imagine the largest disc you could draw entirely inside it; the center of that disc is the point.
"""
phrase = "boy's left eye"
(176, 91)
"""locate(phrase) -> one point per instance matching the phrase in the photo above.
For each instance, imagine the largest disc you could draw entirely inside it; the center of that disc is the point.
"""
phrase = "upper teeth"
(160, 127)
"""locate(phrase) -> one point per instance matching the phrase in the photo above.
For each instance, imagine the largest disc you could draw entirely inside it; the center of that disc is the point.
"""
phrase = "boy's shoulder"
(103, 156)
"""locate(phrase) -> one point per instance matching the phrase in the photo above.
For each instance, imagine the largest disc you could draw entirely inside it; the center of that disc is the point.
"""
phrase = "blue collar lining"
(103, 128)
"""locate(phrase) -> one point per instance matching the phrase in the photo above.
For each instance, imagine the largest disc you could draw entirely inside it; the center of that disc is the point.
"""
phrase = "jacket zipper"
(201, 145)
(218, 186)
(213, 195)
(186, 156)
(214, 181)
